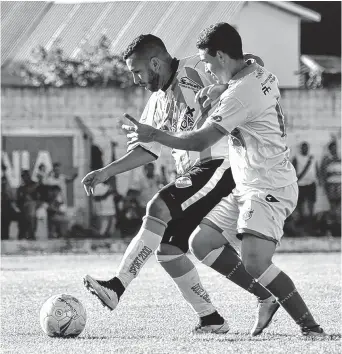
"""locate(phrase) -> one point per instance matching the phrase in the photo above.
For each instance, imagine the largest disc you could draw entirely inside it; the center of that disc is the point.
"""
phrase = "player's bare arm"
(133, 159)
(197, 140)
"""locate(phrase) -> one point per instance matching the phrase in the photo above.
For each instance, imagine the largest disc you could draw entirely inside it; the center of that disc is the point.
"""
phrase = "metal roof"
(76, 26)
(80, 25)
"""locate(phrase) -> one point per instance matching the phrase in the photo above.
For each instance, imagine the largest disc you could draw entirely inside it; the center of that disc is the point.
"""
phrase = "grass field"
(152, 317)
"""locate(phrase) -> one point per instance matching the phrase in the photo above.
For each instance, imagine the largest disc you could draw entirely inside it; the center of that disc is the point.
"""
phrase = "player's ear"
(155, 64)
(220, 56)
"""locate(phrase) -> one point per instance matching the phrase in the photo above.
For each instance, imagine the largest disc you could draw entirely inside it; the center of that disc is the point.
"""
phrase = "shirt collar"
(245, 71)
(174, 67)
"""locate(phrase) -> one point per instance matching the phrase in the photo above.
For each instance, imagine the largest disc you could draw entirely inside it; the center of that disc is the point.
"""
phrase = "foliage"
(96, 67)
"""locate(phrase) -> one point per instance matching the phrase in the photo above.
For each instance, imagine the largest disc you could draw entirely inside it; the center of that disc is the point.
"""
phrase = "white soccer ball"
(63, 316)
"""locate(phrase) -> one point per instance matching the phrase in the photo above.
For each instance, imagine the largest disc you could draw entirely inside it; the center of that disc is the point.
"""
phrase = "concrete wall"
(274, 35)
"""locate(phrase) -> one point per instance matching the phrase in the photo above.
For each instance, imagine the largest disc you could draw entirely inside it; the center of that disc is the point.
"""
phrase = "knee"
(255, 265)
(205, 240)
(157, 208)
(197, 244)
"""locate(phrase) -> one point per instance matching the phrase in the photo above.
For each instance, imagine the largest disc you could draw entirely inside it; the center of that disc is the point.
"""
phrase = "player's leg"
(260, 225)
(257, 256)
(171, 255)
(140, 249)
(217, 249)
(166, 205)
(188, 206)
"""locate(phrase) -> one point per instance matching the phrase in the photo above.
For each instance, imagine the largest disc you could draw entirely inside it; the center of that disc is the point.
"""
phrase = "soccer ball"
(63, 316)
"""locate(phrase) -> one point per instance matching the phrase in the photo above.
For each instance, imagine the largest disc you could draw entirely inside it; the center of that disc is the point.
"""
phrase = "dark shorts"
(307, 193)
(211, 182)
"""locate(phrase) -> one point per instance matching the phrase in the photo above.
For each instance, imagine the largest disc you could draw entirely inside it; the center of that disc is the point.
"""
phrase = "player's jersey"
(250, 114)
(174, 109)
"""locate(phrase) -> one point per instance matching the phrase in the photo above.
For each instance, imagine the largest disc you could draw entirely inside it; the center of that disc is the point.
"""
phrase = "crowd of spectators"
(43, 196)
(317, 180)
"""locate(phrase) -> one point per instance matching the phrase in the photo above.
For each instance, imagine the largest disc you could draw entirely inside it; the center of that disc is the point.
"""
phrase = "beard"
(153, 81)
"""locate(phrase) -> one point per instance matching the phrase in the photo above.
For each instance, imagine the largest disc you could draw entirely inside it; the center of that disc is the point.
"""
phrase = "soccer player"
(250, 118)
(174, 213)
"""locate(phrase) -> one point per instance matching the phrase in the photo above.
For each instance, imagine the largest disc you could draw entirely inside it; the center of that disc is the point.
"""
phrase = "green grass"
(152, 316)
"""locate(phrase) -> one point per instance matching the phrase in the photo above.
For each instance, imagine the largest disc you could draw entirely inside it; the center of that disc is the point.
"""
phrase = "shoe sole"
(96, 290)
(221, 330)
(267, 323)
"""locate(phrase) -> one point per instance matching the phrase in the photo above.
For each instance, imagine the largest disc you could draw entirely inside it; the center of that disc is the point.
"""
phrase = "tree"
(96, 67)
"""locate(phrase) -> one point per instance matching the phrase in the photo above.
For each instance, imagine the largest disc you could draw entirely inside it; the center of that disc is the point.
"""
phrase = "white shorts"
(260, 212)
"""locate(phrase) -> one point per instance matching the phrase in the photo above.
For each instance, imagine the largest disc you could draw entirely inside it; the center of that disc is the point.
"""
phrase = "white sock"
(193, 292)
(140, 249)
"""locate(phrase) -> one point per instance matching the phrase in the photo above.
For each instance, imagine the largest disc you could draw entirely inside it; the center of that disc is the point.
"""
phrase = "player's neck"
(167, 72)
(238, 65)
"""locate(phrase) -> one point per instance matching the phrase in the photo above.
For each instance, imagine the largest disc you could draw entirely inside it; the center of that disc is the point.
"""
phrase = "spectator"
(42, 188)
(307, 173)
(27, 203)
(56, 178)
(9, 210)
(56, 211)
(104, 210)
(41, 176)
(148, 184)
(130, 214)
(330, 172)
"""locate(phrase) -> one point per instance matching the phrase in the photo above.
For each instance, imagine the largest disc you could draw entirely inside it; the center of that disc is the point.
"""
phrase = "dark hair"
(56, 164)
(223, 37)
(142, 44)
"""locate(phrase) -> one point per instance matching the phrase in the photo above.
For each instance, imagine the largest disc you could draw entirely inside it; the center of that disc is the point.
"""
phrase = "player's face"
(143, 75)
(212, 65)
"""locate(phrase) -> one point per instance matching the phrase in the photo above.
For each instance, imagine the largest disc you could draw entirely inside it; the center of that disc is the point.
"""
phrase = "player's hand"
(138, 131)
(210, 94)
(92, 179)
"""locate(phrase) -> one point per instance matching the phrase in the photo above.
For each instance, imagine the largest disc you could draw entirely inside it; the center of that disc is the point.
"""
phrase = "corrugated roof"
(18, 20)
(76, 26)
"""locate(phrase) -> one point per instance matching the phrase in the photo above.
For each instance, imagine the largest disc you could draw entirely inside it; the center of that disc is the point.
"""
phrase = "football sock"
(141, 248)
(227, 262)
(281, 286)
(189, 284)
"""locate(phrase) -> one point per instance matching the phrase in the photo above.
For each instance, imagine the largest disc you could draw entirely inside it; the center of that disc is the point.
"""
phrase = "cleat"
(314, 333)
(103, 291)
(213, 323)
(266, 310)
(216, 329)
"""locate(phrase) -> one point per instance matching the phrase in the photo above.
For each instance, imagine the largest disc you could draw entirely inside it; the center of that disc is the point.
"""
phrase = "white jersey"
(250, 114)
(174, 109)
